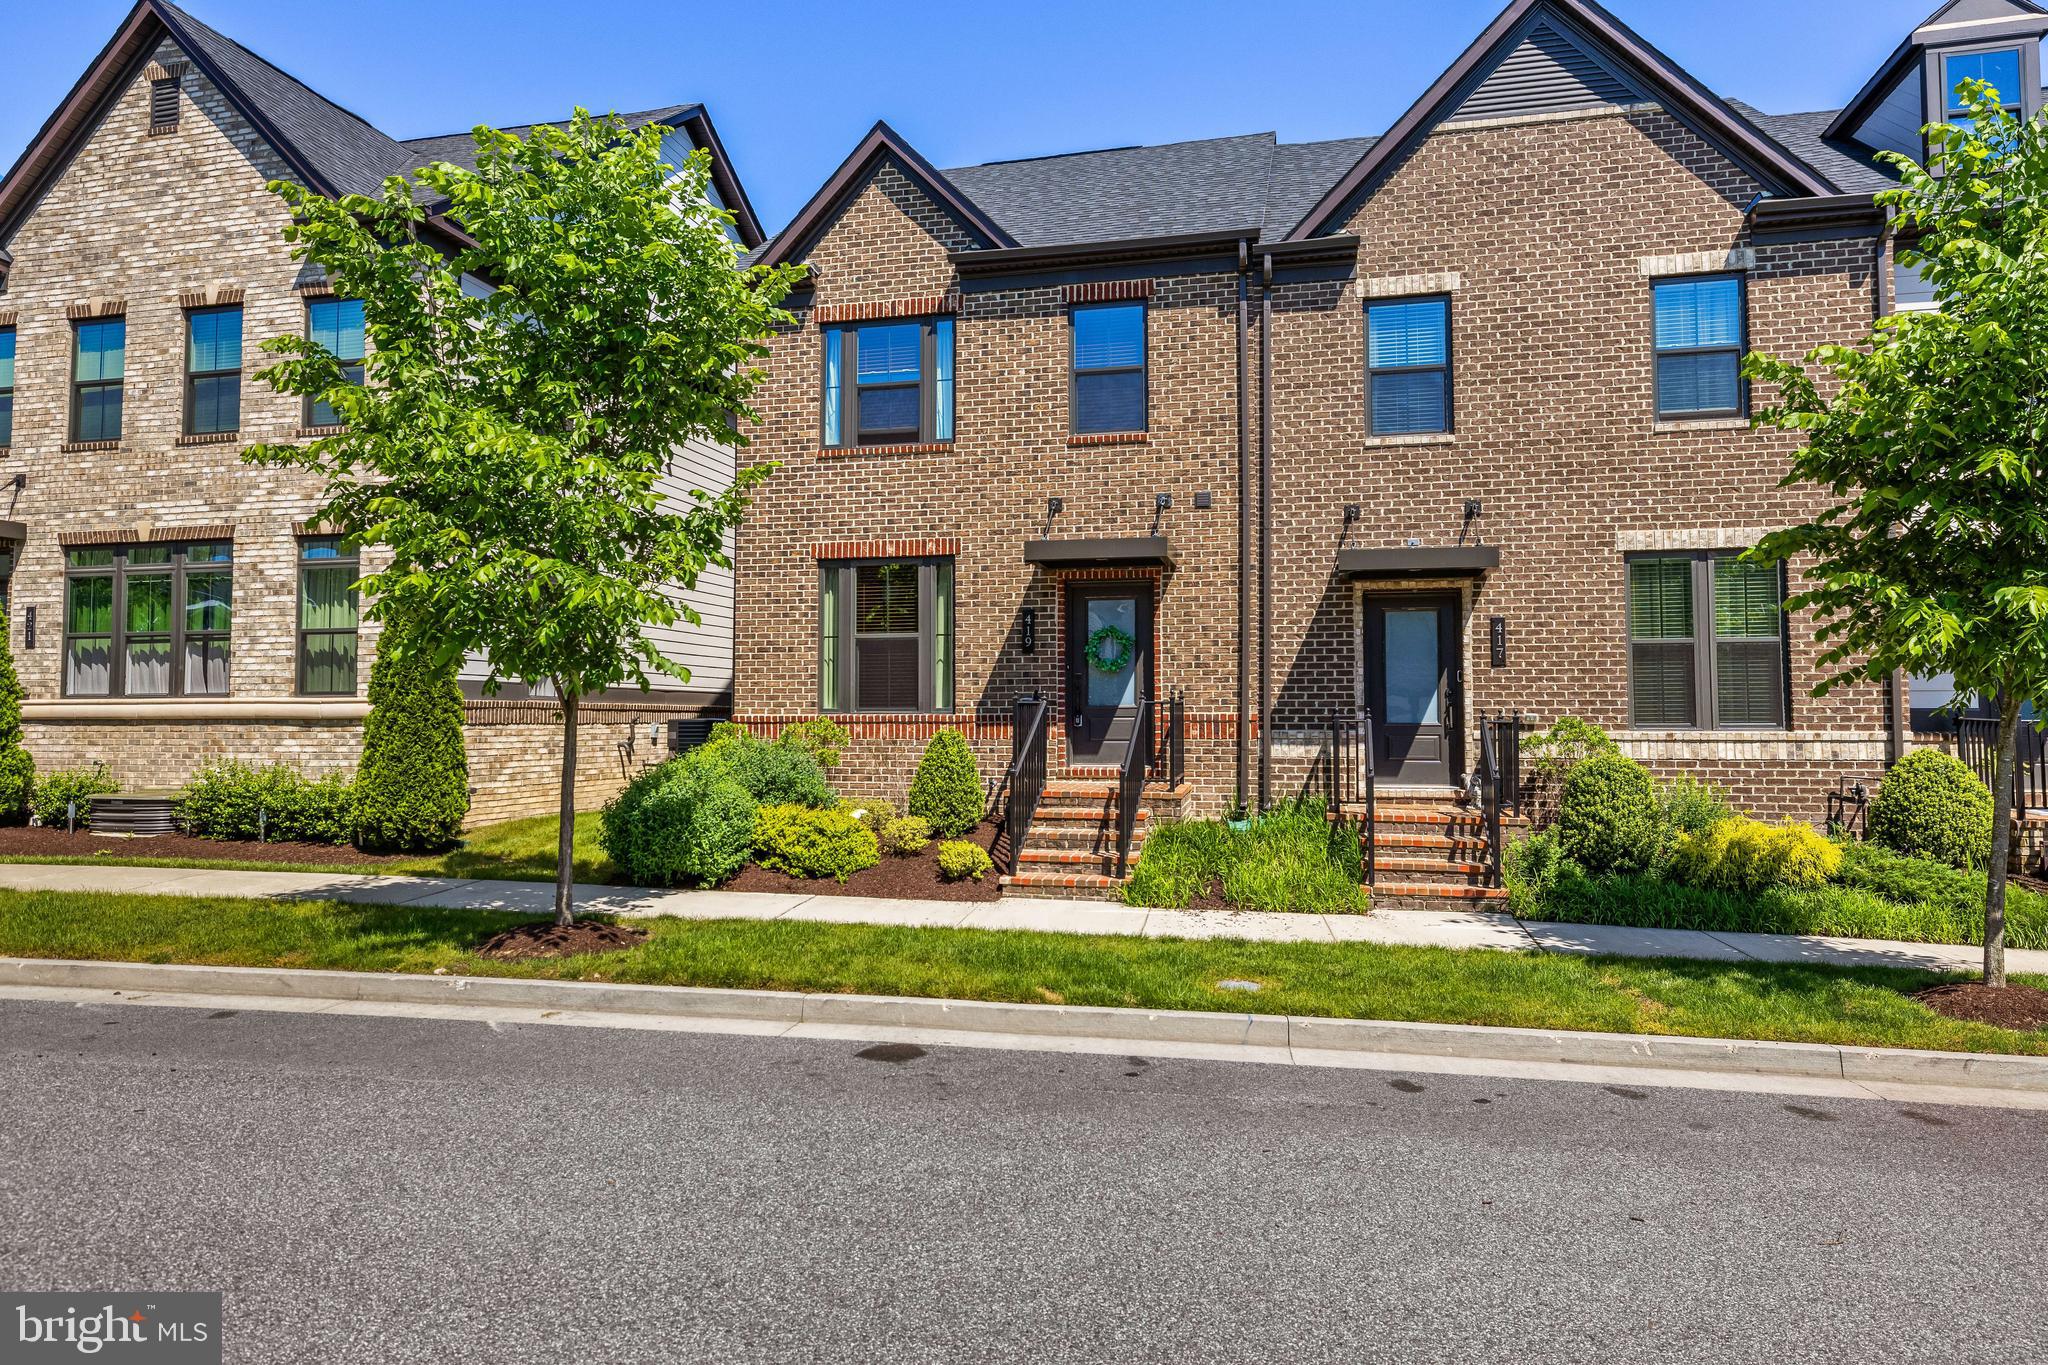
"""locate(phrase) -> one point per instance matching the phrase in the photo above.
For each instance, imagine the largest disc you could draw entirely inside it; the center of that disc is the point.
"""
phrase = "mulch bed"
(2014, 1007)
(25, 842)
(552, 940)
(914, 878)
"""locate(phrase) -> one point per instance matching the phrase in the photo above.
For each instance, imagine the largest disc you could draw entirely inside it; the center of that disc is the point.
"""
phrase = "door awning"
(1104, 552)
(1419, 561)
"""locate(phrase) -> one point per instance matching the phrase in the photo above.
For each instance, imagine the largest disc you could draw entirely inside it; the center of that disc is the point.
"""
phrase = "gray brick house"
(1206, 452)
(168, 604)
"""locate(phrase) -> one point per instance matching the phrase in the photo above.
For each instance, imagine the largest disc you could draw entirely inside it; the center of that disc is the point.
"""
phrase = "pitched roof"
(331, 149)
(1849, 168)
(460, 148)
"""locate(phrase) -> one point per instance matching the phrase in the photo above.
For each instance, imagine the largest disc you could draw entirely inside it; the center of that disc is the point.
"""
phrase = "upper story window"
(1107, 390)
(6, 386)
(336, 324)
(213, 371)
(1999, 69)
(147, 620)
(885, 637)
(1699, 343)
(889, 383)
(329, 616)
(1408, 366)
(1706, 643)
(99, 361)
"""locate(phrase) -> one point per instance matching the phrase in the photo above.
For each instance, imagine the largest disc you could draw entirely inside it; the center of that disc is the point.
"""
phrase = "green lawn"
(1526, 990)
(517, 850)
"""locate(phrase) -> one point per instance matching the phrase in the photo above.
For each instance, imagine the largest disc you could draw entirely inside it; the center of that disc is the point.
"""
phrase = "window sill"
(74, 447)
(308, 433)
(209, 438)
(1666, 426)
(1427, 438)
(1109, 438)
(911, 448)
(208, 710)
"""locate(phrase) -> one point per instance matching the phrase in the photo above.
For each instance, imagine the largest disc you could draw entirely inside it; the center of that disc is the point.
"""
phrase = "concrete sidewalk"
(1409, 928)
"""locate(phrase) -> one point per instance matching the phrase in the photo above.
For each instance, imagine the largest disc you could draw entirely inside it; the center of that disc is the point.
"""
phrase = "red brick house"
(1436, 428)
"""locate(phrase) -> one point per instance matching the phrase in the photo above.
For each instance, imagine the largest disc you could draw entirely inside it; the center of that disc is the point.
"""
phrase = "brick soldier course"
(1542, 186)
(145, 198)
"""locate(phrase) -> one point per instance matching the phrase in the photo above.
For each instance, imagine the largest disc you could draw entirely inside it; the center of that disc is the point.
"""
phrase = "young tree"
(1933, 446)
(506, 448)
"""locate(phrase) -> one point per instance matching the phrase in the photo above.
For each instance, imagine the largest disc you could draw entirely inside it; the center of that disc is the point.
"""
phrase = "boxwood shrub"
(17, 769)
(961, 861)
(947, 788)
(54, 791)
(1608, 816)
(681, 823)
(1931, 805)
(231, 800)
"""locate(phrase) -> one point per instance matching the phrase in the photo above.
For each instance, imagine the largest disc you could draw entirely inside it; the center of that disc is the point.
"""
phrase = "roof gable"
(1612, 47)
(1550, 70)
(881, 142)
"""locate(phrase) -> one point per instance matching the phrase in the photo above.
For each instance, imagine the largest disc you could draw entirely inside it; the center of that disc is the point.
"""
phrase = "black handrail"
(1977, 745)
(1172, 763)
(1489, 793)
(1507, 753)
(1353, 779)
(1026, 778)
(1130, 787)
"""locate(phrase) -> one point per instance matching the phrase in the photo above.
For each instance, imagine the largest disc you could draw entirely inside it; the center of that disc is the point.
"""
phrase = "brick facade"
(1546, 232)
(147, 224)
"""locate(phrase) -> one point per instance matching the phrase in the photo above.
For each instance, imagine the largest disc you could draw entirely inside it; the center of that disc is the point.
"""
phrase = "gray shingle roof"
(1848, 168)
(460, 148)
(339, 145)
(1213, 185)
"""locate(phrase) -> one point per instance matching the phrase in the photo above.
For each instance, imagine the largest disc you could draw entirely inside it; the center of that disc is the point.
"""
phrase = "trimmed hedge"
(907, 836)
(1931, 805)
(17, 769)
(1608, 817)
(412, 785)
(230, 800)
(947, 789)
(805, 842)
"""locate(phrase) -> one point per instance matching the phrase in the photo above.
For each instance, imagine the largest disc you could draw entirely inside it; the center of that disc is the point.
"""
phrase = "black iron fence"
(1977, 745)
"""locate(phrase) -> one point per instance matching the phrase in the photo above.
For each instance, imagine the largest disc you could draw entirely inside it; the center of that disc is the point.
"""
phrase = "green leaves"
(506, 461)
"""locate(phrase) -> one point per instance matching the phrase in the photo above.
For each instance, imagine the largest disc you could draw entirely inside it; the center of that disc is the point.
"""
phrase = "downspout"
(1896, 687)
(1244, 523)
(1266, 534)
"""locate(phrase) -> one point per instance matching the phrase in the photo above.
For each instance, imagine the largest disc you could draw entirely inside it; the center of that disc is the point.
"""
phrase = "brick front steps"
(1430, 852)
(1069, 853)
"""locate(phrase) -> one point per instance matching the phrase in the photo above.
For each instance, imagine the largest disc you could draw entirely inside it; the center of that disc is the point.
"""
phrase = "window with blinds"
(1706, 643)
(1107, 393)
(1699, 342)
(885, 636)
(889, 383)
(1408, 366)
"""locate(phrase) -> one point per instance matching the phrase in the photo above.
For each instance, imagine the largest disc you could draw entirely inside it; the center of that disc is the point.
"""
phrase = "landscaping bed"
(1870, 1007)
(1293, 859)
(25, 842)
(897, 876)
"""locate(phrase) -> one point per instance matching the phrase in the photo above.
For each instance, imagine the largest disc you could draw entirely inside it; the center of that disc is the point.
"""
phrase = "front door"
(1412, 686)
(1109, 669)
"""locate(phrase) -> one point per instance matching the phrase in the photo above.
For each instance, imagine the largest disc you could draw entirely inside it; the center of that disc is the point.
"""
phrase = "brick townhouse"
(1435, 427)
(167, 603)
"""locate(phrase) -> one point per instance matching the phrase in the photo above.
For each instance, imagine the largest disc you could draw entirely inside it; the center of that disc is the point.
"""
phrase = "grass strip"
(1788, 1003)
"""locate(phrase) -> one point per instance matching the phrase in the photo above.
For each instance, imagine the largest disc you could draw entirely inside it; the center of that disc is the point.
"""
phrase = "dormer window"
(1999, 69)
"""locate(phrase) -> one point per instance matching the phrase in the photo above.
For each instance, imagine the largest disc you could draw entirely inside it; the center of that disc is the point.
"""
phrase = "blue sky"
(792, 86)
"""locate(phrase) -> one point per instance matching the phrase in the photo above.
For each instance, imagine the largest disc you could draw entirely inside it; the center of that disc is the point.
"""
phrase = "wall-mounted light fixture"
(1352, 513)
(1163, 502)
(1055, 506)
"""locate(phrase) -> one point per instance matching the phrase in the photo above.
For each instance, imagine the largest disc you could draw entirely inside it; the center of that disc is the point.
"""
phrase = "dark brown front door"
(1412, 686)
(1109, 668)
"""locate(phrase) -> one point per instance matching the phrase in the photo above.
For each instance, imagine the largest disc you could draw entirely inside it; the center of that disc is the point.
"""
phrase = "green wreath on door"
(1111, 649)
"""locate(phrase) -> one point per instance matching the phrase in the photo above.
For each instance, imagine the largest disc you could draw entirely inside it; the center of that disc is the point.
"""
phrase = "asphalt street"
(395, 1190)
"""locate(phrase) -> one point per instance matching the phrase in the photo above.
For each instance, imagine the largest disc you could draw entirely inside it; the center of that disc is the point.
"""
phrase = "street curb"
(1808, 1060)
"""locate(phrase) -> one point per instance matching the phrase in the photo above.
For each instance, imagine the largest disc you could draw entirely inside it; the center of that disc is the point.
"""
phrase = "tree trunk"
(565, 845)
(2003, 773)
